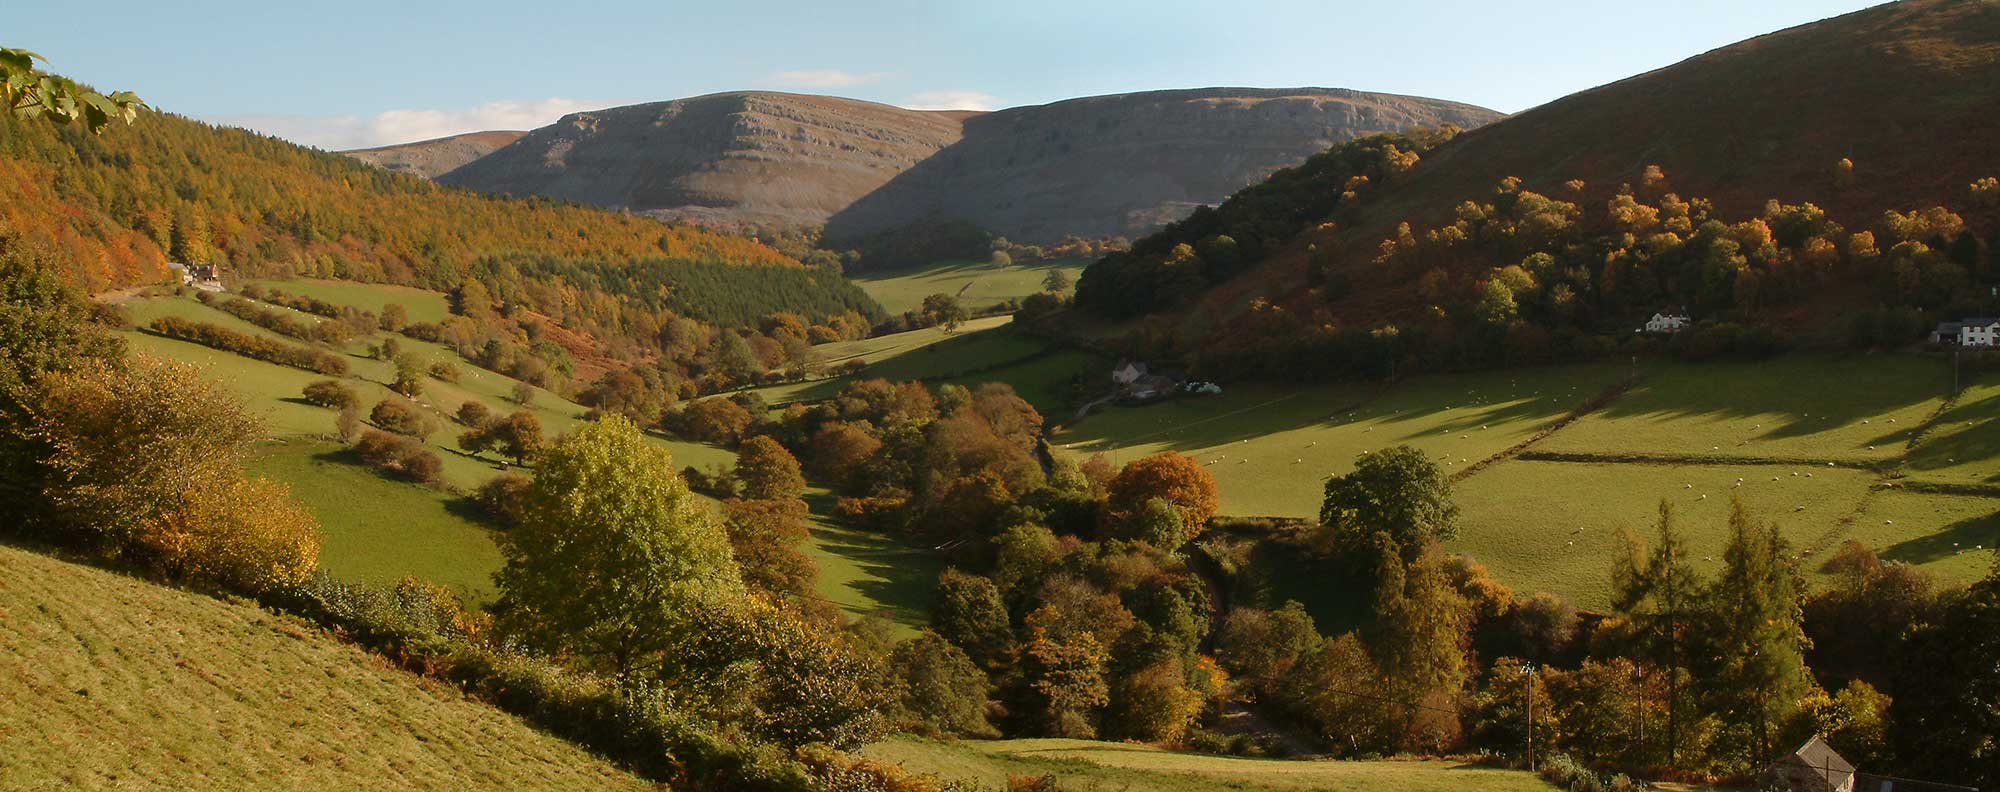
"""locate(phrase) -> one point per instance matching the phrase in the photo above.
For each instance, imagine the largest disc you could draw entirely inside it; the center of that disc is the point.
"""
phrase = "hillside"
(1901, 92)
(112, 683)
(119, 205)
(729, 158)
(1126, 164)
(1096, 166)
(433, 158)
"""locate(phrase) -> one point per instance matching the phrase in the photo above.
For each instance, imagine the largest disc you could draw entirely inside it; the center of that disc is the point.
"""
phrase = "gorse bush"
(250, 346)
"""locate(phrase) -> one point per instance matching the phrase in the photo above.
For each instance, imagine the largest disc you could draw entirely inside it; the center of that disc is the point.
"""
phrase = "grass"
(1271, 449)
(1086, 766)
(1963, 444)
(110, 683)
(870, 575)
(1552, 526)
(1800, 407)
(983, 284)
(984, 350)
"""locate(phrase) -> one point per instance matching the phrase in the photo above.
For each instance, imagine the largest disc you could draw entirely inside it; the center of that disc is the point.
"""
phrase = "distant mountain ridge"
(437, 156)
(1095, 166)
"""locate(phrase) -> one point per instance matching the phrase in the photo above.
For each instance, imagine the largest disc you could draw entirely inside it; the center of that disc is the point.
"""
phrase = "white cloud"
(337, 132)
(951, 100)
(825, 78)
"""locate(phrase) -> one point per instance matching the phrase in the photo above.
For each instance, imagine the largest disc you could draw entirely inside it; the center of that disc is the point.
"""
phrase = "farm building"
(1814, 767)
(207, 277)
(1666, 323)
(1974, 332)
(1128, 372)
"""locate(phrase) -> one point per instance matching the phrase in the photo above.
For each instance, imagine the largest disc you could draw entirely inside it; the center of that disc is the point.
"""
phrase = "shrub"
(445, 371)
(331, 394)
(399, 455)
(402, 417)
(500, 498)
(250, 346)
(266, 318)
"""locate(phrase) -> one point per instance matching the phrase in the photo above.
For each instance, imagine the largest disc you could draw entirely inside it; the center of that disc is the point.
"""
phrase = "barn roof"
(1822, 759)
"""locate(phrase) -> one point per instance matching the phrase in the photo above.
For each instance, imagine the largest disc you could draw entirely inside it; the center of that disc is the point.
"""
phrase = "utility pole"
(1528, 671)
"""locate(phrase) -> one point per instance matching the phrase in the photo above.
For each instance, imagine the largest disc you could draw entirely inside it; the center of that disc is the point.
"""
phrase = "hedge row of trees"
(227, 340)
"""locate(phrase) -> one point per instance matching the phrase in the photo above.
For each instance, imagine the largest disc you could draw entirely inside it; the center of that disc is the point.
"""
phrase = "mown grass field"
(983, 283)
(1086, 766)
(1271, 449)
(107, 682)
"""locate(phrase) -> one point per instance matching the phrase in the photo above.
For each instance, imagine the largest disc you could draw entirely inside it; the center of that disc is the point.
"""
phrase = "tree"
(614, 561)
(764, 535)
(473, 300)
(1056, 282)
(520, 436)
(347, 423)
(1066, 683)
(522, 394)
(840, 450)
(1657, 590)
(402, 417)
(1756, 645)
(942, 310)
(1000, 258)
(768, 471)
(394, 317)
(45, 328)
(944, 692)
(968, 611)
(32, 93)
(1947, 700)
(409, 376)
(332, 394)
(1170, 476)
(1395, 491)
(1424, 627)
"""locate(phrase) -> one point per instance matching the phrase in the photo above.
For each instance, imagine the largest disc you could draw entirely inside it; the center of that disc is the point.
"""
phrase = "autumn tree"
(767, 471)
(765, 535)
(944, 693)
(615, 560)
(967, 609)
(1422, 634)
(1170, 476)
(942, 310)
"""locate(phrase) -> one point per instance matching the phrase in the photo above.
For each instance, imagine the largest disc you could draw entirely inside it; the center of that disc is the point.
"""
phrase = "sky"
(368, 73)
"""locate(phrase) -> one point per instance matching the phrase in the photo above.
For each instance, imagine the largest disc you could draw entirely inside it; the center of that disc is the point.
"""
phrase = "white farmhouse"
(1667, 323)
(1975, 332)
(1128, 372)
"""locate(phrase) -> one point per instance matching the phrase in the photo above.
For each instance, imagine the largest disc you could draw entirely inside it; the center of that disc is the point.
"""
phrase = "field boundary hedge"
(1604, 398)
(1643, 458)
(1941, 488)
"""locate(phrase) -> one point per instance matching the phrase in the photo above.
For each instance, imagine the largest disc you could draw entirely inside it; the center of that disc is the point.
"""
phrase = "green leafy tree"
(1756, 646)
(968, 610)
(614, 559)
(1395, 491)
(1947, 697)
(944, 692)
(1056, 282)
(45, 327)
(32, 93)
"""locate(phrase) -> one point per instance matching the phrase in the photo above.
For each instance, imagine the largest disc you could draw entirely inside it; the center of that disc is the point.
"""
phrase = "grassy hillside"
(1115, 767)
(982, 350)
(111, 683)
(978, 284)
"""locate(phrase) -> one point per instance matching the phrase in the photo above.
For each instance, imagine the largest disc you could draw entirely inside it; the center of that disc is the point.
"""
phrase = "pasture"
(1087, 766)
(983, 284)
(870, 575)
(1962, 446)
(1853, 408)
(108, 682)
(422, 305)
(1271, 449)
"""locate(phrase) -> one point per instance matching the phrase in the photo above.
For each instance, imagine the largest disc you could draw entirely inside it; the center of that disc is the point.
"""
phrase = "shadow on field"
(1964, 536)
(1812, 393)
(897, 576)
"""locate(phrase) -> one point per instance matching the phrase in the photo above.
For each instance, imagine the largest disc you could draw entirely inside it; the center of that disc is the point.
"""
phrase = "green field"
(1685, 431)
(984, 350)
(870, 575)
(1802, 407)
(107, 682)
(1085, 766)
(1271, 449)
(1552, 526)
(983, 283)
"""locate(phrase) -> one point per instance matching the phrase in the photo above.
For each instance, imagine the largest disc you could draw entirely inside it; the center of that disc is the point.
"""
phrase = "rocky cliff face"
(724, 158)
(1126, 164)
(1097, 166)
(433, 158)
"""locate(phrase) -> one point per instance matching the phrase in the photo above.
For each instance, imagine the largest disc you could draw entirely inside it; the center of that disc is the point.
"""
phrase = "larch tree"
(1757, 646)
(1657, 590)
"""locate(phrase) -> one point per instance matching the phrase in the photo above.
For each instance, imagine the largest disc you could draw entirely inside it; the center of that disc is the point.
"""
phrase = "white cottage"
(1666, 323)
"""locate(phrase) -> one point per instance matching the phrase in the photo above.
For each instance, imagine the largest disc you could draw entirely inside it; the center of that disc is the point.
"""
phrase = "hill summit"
(1095, 166)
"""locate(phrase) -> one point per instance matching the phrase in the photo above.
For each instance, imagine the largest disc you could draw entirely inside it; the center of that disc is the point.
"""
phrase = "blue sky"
(370, 73)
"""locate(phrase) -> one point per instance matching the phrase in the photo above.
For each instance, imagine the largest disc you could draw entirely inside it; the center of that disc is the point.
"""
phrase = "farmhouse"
(1128, 372)
(1974, 332)
(1666, 323)
(207, 277)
